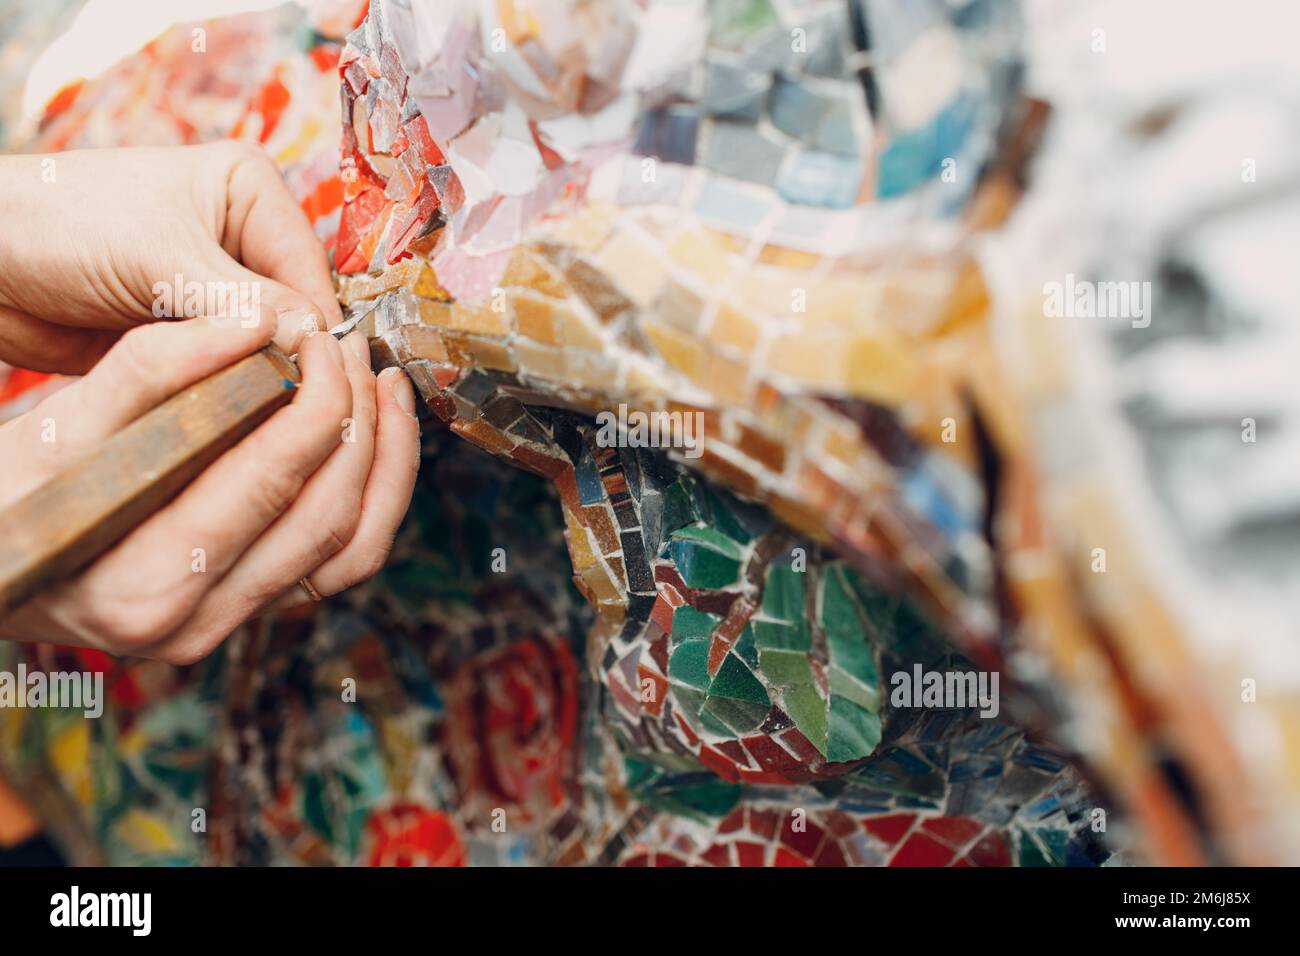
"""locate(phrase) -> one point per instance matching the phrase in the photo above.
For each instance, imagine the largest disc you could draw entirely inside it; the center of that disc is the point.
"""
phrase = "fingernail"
(403, 394)
(293, 326)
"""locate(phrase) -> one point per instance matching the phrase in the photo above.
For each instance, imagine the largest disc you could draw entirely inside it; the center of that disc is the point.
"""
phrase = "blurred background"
(1158, 147)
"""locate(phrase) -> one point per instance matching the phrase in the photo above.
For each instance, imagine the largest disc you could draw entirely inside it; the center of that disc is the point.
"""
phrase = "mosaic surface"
(480, 732)
(616, 655)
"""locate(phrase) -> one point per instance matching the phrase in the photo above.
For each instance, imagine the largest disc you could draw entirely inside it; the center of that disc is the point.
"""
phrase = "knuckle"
(237, 150)
(274, 490)
(333, 536)
(254, 161)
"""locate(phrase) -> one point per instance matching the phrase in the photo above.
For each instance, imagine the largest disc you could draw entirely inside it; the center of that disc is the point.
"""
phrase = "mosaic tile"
(594, 218)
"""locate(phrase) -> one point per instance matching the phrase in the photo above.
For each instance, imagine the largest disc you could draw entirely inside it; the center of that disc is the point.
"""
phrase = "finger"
(269, 233)
(318, 525)
(187, 547)
(146, 366)
(45, 347)
(237, 295)
(294, 315)
(385, 500)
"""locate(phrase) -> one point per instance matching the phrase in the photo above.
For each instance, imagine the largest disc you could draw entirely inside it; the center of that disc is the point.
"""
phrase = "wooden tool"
(63, 525)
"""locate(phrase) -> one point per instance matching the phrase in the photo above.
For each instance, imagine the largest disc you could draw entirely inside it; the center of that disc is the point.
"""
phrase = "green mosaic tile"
(746, 649)
(775, 635)
(718, 514)
(853, 732)
(808, 710)
(847, 685)
(735, 680)
(690, 624)
(681, 792)
(712, 539)
(713, 723)
(784, 668)
(690, 664)
(678, 511)
(848, 645)
(1031, 854)
(783, 596)
(705, 558)
(737, 717)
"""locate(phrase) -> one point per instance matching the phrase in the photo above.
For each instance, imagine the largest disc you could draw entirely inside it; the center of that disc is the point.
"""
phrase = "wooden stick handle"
(63, 525)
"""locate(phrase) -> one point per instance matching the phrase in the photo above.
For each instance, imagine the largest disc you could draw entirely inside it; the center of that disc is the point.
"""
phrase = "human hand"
(317, 492)
(88, 236)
